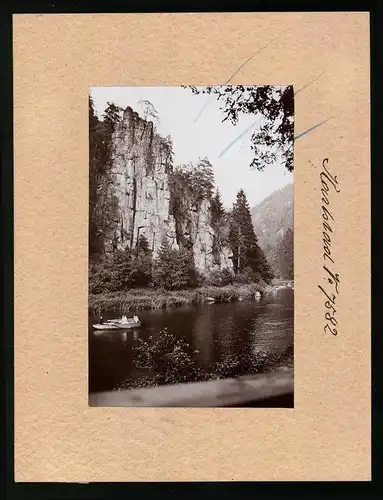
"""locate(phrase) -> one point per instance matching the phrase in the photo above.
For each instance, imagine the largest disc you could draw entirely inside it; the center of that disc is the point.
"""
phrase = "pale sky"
(194, 138)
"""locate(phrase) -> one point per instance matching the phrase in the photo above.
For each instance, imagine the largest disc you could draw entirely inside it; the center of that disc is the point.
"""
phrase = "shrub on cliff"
(199, 177)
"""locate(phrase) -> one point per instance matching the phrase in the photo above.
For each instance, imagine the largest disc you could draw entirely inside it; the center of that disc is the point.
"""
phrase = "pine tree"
(218, 222)
(217, 210)
(244, 243)
(204, 178)
(111, 116)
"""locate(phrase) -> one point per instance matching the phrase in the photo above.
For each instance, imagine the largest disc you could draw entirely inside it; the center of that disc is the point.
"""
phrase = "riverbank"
(148, 298)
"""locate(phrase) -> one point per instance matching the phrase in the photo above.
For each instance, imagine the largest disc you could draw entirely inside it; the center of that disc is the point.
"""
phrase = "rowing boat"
(117, 325)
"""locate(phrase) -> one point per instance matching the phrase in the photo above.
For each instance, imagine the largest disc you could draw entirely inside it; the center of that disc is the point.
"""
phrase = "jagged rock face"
(151, 202)
(194, 229)
(140, 184)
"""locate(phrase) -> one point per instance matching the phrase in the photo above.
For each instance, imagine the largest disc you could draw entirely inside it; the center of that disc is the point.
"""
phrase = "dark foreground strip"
(268, 390)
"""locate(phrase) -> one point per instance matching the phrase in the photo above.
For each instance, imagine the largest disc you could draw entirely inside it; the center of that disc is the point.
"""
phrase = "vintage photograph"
(191, 246)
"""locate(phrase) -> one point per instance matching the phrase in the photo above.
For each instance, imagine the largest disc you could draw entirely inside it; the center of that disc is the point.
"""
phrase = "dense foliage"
(122, 270)
(167, 359)
(173, 269)
(275, 105)
(198, 177)
(102, 203)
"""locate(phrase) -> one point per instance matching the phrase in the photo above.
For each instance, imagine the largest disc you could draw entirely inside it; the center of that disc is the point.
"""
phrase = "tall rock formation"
(150, 200)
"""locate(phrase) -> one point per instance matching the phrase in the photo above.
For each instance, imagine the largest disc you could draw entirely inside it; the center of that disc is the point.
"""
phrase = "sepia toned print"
(57, 58)
(191, 289)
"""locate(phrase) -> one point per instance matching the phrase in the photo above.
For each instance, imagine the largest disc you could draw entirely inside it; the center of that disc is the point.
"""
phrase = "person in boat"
(135, 319)
(101, 320)
(124, 319)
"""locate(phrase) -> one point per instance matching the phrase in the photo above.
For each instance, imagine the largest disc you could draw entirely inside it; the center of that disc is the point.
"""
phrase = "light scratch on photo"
(237, 139)
(233, 142)
(240, 136)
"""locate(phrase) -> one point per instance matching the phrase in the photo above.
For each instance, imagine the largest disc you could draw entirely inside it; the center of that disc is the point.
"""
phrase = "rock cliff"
(151, 201)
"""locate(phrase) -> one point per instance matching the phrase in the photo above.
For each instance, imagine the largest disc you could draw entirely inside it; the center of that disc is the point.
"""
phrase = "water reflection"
(215, 331)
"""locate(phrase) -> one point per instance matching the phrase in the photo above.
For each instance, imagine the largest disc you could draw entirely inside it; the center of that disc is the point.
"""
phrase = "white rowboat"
(118, 324)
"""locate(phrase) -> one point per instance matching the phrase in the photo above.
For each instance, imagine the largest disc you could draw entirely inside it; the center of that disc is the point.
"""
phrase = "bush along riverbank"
(170, 360)
(151, 298)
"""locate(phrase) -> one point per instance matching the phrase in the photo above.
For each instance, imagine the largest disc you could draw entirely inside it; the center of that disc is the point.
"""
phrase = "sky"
(194, 123)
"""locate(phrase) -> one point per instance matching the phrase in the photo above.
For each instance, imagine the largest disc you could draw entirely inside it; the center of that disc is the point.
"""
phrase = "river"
(214, 331)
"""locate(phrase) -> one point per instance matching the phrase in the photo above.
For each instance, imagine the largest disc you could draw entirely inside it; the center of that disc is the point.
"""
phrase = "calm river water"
(214, 330)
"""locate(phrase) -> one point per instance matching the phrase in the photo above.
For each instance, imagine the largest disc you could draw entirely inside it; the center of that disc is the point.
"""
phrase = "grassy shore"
(139, 299)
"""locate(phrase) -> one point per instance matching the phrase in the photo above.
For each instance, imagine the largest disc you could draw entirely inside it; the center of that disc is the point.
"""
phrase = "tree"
(199, 177)
(167, 359)
(111, 274)
(174, 269)
(171, 359)
(244, 243)
(98, 185)
(102, 202)
(149, 110)
(168, 146)
(219, 225)
(141, 263)
(111, 116)
(121, 271)
(274, 105)
(217, 209)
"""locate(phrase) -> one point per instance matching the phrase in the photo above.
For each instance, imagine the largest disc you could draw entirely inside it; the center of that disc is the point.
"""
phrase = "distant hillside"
(281, 257)
(273, 217)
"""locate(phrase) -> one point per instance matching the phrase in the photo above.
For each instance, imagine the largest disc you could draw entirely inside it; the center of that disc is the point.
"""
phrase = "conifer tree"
(219, 224)
(217, 210)
(244, 243)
